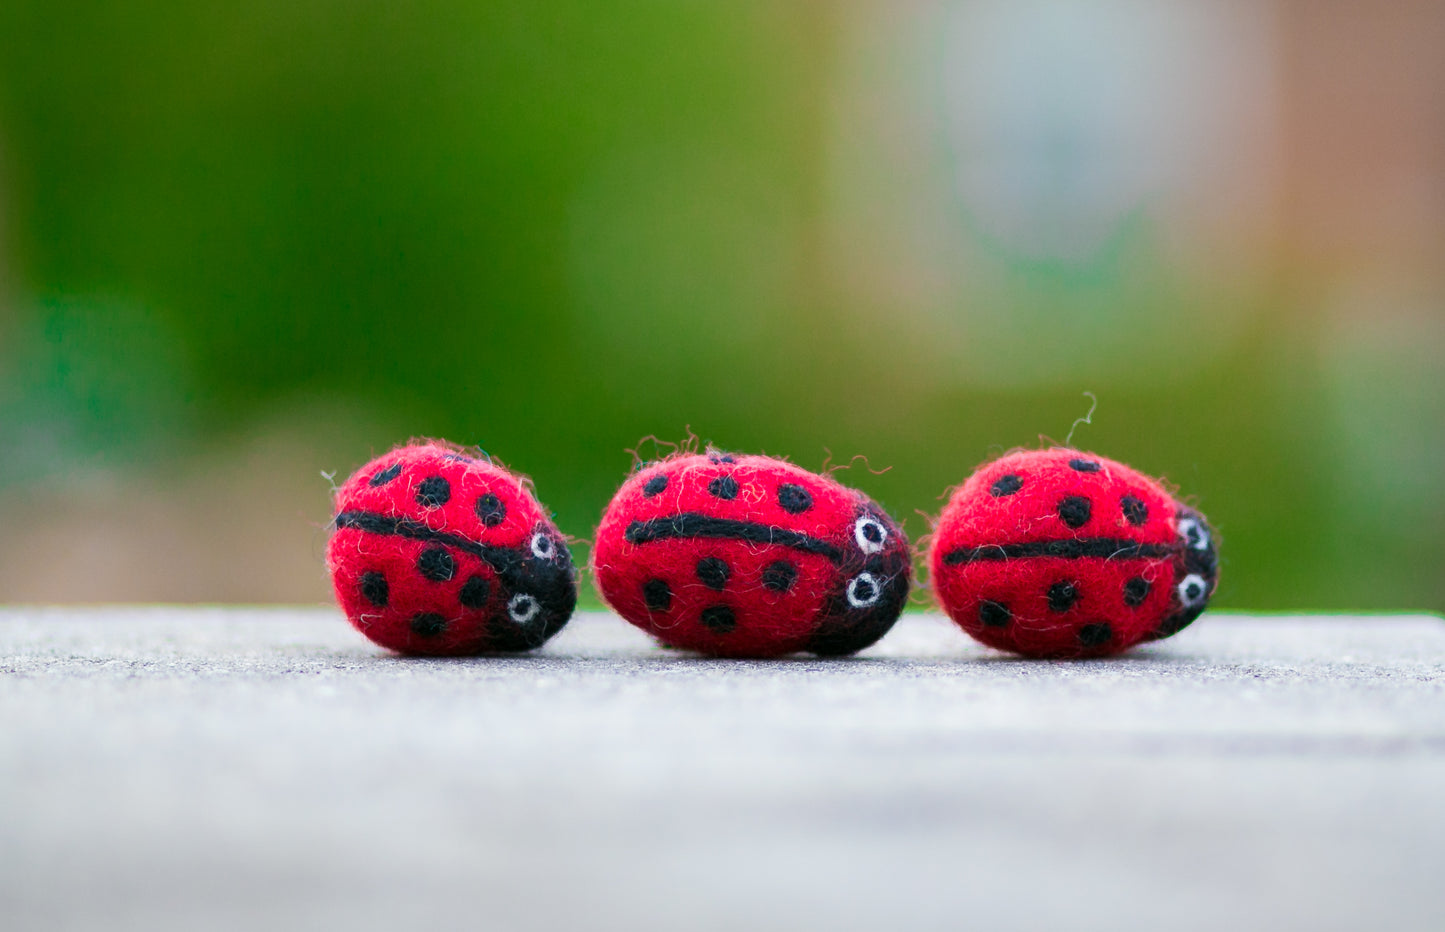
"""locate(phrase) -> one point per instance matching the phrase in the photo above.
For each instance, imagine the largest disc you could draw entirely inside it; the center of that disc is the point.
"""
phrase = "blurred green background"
(243, 244)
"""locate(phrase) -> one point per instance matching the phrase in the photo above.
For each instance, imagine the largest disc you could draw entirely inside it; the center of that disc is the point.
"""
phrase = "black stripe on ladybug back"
(1074, 549)
(502, 559)
(691, 526)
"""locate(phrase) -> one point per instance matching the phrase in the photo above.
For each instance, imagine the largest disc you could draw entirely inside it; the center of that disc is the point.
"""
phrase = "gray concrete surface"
(181, 768)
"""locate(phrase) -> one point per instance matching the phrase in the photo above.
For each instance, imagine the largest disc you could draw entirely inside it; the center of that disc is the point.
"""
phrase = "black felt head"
(1196, 572)
(872, 589)
(541, 585)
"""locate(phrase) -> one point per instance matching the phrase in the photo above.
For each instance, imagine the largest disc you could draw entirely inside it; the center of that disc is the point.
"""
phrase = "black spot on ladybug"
(655, 486)
(374, 588)
(1095, 635)
(1062, 596)
(386, 475)
(780, 575)
(719, 618)
(713, 572)
(491, 509)
(436, 564)
(723, 487)
(433, 492)
(475, 592)
(428, 624)
(720, 458)
(1084, 466)
(1135, 511)
(1074, 511)
(994, 614)
(794, 498)
(1136, 591)
(657, 595)
(1007, 485)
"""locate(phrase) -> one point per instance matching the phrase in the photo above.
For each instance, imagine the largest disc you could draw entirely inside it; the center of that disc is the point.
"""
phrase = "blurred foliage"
(551, 230)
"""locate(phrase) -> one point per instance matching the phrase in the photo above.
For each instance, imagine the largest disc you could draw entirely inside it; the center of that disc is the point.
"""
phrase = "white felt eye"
(523, 608)
(1192, 590)
(543, 547)
(870, 534)
(1194, 534)
(863, 590)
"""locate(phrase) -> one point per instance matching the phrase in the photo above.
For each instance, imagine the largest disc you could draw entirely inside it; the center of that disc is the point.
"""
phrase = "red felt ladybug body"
(750, 556)
(436, 552)
(1057, 553)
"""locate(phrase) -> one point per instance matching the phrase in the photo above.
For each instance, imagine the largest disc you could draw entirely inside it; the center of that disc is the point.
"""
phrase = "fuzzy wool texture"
(1062, 553)
(750, 556)
(435, 551)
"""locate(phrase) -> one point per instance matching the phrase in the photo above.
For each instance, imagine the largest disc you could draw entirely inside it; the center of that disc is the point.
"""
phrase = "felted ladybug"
(749, 556)
(1058, 553)
(437, 552)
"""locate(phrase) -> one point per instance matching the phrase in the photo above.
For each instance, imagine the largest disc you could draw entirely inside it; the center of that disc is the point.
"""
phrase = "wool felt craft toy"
(437, 552)
(1058, 553)
(750, 556)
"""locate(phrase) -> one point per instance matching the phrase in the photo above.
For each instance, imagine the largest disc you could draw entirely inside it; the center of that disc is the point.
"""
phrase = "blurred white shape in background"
(1031, 192)
(1063, 117)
